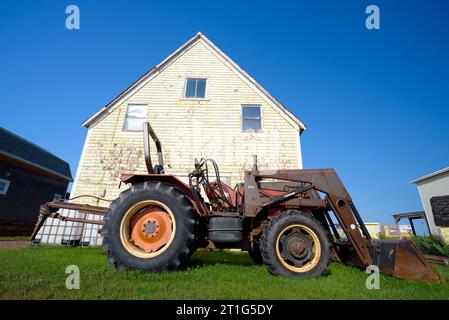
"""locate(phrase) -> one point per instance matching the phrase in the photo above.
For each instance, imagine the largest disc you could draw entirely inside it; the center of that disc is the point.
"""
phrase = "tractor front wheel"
(151, 226)
(295, 244)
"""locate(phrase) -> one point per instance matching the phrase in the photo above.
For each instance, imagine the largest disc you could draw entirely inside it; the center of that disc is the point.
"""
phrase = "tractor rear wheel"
(151, 226)
(295, 244)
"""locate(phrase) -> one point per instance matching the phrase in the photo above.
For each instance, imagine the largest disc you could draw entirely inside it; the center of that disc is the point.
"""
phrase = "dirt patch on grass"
(13, 244)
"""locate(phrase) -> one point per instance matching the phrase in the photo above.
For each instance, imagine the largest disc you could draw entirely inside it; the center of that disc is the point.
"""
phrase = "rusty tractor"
(293, 221)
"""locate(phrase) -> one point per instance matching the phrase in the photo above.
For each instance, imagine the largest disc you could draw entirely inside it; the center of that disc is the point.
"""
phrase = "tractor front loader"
(286, 219)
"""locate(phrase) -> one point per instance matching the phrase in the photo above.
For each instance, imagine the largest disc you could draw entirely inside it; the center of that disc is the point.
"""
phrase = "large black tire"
(184, 239)
(273, 259)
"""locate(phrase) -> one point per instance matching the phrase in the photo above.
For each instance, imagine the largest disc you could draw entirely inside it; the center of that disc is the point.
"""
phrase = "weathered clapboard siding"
(188, 129)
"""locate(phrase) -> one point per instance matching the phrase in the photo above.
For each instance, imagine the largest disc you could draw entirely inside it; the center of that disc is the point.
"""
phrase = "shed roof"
(25, 152)
(409, 215)
(430, 175)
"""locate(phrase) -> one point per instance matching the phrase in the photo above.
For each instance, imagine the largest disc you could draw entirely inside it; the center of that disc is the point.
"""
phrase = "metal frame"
(56, 210)
(412, 216)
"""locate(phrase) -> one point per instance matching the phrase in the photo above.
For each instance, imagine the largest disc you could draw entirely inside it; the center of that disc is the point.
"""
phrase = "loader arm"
(337, 198)
(396, 257)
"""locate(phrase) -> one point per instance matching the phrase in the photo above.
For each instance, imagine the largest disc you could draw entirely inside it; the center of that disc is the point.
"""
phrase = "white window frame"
(126, 117)
(7, 182)
(184, 91)
(242, 118)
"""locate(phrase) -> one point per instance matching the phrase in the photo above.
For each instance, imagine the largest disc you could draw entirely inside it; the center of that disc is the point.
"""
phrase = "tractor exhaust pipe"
(255, 163)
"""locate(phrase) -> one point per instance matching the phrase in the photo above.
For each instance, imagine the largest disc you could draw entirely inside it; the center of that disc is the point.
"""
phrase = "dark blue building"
(29, 177)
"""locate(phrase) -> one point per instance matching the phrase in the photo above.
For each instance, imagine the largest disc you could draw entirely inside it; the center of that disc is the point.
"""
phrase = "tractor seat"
(240, 190)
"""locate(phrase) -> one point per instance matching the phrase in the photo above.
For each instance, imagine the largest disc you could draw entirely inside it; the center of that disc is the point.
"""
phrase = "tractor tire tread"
(268, 246)
(186, 222)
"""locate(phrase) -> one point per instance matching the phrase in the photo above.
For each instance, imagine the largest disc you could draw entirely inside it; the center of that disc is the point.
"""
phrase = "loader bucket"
(401, 258)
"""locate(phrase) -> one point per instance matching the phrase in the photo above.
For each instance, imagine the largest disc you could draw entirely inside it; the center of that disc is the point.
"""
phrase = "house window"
(136, 115)
(4, 185)
(195, 88)
(251, 118)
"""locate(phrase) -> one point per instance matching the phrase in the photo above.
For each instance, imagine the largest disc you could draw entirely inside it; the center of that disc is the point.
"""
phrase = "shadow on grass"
(202, 258)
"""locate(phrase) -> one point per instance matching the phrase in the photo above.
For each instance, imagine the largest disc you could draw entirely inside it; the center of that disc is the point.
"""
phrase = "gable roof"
(199, 37)
(29, 155)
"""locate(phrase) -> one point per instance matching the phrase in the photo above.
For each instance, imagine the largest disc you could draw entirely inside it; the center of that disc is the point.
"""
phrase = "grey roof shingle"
(22, 149)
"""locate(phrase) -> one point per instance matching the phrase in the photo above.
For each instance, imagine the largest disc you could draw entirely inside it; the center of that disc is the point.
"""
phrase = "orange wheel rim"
(147, 229)
(151, 229)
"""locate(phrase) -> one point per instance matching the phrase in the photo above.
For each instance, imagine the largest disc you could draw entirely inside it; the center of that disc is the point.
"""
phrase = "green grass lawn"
(39, 273)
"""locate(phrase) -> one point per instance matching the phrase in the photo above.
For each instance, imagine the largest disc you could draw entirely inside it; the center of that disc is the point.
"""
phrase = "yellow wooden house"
(201, 104)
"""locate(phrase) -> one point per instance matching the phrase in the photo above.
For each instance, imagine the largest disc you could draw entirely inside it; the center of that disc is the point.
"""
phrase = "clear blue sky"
(376, 103)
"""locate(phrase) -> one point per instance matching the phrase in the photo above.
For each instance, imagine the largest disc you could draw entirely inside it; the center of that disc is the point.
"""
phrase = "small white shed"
(434, 192)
